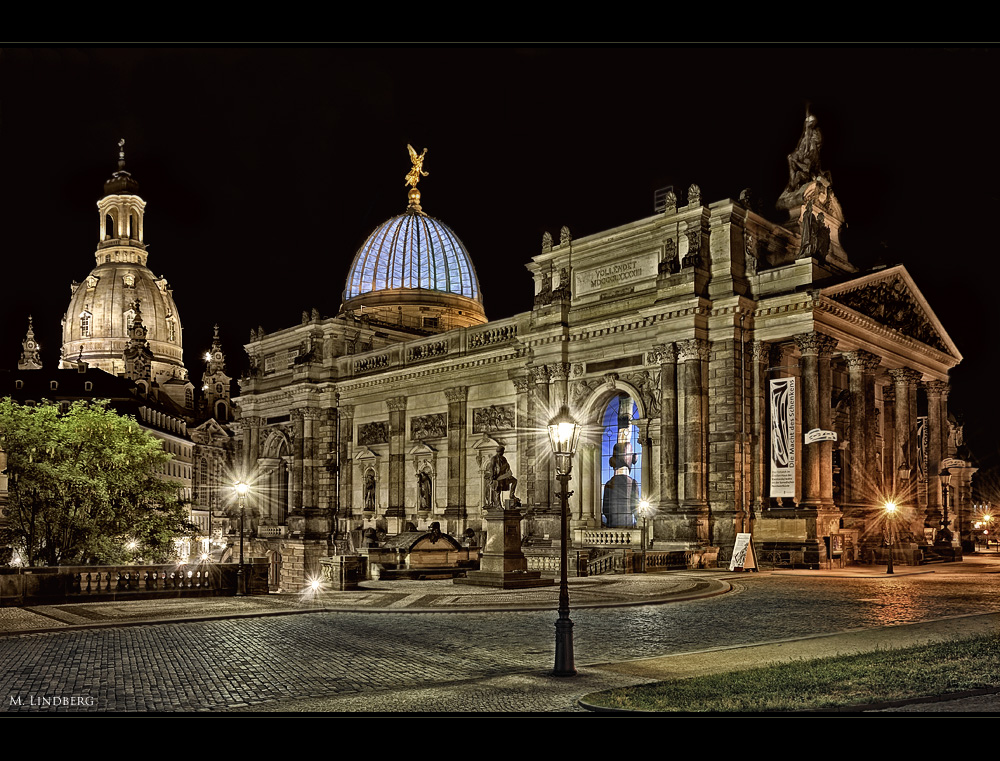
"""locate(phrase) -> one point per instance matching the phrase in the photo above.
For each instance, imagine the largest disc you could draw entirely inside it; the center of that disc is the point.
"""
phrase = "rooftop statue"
(805, 173)
(417, 170)
(804, 163)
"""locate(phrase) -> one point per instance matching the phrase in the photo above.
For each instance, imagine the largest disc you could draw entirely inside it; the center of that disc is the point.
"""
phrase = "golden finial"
(417, 170)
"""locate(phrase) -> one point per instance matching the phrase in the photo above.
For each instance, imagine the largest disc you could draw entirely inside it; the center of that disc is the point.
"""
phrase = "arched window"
(621, 462)
(86, 324)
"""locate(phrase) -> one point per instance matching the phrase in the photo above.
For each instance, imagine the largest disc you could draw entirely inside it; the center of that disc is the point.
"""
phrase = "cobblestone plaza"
(345, 656)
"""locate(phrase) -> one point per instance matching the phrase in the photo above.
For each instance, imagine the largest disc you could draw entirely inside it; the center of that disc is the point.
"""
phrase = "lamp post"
(564, 433)
(644, 512)
(890, 513)
(241, 492)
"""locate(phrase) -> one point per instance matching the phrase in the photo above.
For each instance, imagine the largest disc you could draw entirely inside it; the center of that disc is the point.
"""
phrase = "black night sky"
(265, 168)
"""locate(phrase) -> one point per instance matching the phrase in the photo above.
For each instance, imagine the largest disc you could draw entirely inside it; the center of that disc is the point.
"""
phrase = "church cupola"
(30, 357)
(98, 325)
(121, 211)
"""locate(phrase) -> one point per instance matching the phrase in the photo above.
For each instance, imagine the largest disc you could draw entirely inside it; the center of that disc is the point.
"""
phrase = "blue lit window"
(619, 429)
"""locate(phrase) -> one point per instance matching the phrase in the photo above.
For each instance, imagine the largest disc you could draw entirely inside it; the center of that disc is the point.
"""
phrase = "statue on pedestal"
(500, 479)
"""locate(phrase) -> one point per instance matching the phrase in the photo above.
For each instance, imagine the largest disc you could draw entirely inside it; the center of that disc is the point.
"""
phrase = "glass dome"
(412, 252)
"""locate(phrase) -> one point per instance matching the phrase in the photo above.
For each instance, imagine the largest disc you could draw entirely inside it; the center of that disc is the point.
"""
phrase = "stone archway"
(593, 469)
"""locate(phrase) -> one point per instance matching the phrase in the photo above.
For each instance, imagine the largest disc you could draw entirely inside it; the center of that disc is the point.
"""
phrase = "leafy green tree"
(85, 485)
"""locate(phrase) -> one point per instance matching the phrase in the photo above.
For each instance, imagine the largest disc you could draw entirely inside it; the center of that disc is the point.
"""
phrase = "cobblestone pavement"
(412, 650)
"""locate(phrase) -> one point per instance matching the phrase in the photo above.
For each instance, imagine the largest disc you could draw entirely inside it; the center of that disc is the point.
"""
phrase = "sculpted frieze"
(433, 426)
(891, 303)
(496, 417)
(373, 433)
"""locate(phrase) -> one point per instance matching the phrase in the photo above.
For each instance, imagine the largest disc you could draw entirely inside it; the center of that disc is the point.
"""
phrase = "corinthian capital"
(559, 371)
(522, 383)
(693, 348)
(662, 354)
(937, 388)
(396, 404)
(815, 343)
(904, 376)
(540, 374)
(456, 393)
(862, 360)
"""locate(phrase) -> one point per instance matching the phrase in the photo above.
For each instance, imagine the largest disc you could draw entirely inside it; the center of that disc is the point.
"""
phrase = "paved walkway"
(595, 592)
(386, 596)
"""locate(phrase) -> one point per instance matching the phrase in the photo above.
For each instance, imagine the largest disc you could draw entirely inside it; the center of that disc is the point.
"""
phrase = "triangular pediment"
(891, 298)
(208, 431)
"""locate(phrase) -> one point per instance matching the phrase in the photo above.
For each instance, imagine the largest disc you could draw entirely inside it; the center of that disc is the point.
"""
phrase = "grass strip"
(839, 681)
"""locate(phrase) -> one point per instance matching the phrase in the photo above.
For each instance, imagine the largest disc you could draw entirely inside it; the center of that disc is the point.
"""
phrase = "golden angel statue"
(417, 170)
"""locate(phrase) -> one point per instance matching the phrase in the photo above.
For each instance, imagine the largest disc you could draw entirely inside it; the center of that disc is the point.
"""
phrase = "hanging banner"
(781, 403)
(922, 447)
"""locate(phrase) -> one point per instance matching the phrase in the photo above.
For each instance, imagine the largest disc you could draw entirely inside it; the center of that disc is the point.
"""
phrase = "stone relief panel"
(496, 417)
(373, 433)
(429, 426)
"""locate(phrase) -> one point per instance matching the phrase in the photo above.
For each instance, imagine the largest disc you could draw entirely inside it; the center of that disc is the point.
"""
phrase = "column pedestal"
(503, 564)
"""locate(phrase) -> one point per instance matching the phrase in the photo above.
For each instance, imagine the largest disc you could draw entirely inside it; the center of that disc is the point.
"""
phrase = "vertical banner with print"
(922, 453)
(781, 403)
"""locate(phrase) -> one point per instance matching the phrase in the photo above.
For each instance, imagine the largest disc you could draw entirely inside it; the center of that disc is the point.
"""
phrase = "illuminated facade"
(663, 336)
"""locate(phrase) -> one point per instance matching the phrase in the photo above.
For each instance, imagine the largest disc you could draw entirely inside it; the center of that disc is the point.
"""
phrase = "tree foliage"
(84, 486)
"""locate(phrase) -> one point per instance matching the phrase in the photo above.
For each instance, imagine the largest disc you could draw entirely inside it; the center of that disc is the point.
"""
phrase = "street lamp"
(241, 492)
(890, 513)
(644, 510)
(564, 433)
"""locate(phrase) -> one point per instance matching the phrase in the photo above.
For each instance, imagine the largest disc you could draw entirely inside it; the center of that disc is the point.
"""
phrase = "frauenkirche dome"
(102, 307)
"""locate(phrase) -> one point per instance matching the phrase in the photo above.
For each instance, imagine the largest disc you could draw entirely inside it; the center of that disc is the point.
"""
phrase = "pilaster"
(457, 397)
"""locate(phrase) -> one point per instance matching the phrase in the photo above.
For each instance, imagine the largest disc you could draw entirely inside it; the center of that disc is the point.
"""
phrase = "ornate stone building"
(756, 380)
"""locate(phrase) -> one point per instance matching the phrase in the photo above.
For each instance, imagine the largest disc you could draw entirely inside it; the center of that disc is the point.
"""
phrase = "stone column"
(646, 466)
(559, 392)
(309, 418)
(543, 458)
(524, 438)
(817, 459)
(589, 515)
(298, 452)
(667, 357)
(889, 466)
(457, 397)
(935, 391)
(692, 439)
(905, 448)
(861, 367)
(344, 497)
(397, 457)
(760, 352)
(251, 444)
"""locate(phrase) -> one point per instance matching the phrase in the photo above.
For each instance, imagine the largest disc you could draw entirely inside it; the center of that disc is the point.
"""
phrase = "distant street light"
(564, 433)
(890, 513)
(241, 582)
(644, 511)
